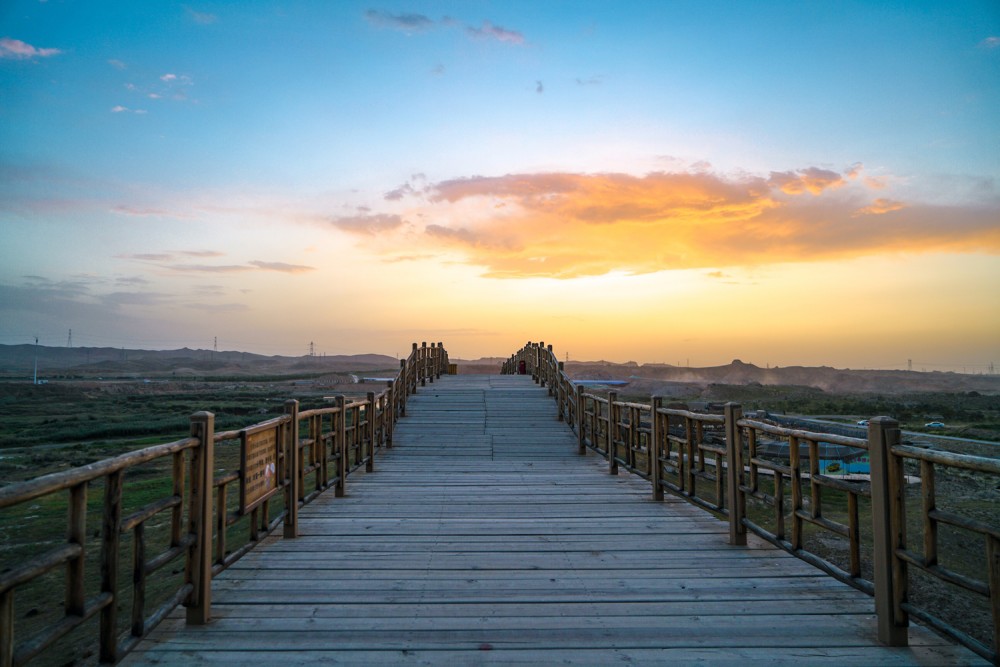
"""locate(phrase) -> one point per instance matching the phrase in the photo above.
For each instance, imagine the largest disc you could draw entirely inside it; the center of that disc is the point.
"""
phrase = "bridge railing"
(716, 461)
(173, 533)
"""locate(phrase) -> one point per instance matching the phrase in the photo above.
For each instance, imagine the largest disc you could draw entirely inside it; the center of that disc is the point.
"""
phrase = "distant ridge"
(18, 360)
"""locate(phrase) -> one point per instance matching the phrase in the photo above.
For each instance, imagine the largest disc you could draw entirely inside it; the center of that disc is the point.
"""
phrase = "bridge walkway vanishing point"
(483, 537)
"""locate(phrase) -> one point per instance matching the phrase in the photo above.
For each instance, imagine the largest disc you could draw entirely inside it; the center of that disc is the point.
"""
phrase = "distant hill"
(19, 360)
(822, 377)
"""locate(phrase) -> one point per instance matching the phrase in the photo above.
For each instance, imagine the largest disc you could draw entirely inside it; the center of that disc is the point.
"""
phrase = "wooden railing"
(311, 448)
(712, 460)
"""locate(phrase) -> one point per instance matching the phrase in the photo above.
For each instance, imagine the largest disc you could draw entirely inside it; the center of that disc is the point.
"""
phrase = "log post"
(390, 406)
(422, 366)
(441, 359)
(340, 445)
(889, 531)
(560, 392)
(581, 421)
(403, 389)
(734, 475)
(199, 563)
(655, 469)
(612, 428)
(293, 456)
(370, 428)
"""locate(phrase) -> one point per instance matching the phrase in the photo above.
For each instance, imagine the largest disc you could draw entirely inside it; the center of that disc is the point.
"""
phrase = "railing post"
(655, 469)
(440, 359)
(199, 563)
(889, 531)
(370, 427)
(423, 364)
(110, 531)
(581, 429)
(414, 370)
(560, 392)
(390, 406)
(734, 475)
(612, 427)
(340, 445)
(293, 456)
(403, 386)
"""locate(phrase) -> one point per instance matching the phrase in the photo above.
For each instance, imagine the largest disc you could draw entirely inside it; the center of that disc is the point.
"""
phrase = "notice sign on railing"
(259, 463)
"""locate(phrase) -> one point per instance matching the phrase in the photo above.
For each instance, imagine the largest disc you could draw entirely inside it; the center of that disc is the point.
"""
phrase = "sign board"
(259, 463)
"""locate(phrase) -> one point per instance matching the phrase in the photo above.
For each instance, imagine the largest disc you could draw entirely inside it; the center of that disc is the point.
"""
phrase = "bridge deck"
(483, 537)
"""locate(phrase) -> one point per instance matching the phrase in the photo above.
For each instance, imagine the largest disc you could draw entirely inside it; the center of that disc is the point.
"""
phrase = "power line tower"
(69, 341)
(909, 364)
(312, 349)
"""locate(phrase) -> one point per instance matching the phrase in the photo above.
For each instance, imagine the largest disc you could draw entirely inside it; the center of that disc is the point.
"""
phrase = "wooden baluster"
(655, 469)
(370, 435)
(199, 563)
(110, 531)
(734, 475)
(293, 454)
(340, 445)
(390, 407)
(138, 579)
(612, 432)
(76, 533)
(796, 482)
(889, 531)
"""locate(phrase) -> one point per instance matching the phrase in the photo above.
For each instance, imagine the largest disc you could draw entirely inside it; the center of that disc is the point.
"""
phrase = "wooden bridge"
(484, 528)
(483, 537)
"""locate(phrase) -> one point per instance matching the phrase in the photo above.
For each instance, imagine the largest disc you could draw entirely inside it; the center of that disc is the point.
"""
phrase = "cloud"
(371, 225)
(592, 81)
(539, 88)
(168, 77)
(202, 253)
(812, 179)
(491, 31)
(117, 64)
(563, 225)
(15, 49)
(118, 108)
(880, 206)
(403, 22)
(400, 192)
(201, 18)
(282, 267)
(124, 209)
(990, 43)
(147, 256)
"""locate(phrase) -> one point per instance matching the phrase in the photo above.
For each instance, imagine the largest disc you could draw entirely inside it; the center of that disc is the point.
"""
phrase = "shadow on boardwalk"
(482, 537)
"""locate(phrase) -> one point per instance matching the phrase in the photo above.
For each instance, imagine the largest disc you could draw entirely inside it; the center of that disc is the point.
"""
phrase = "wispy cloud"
(880, 206)
(403, 22)
(990, 43)
(201, 18)
(490, 31)
(202, 253)
(590, 81)
(117, 64)
(15, 49)
(411, 23)
(371, 225)
(147, 256)
(282, 267)
(812, 179)
(118, 108)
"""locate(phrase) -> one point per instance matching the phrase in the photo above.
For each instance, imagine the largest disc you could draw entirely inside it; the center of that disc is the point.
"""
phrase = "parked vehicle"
(934, 425)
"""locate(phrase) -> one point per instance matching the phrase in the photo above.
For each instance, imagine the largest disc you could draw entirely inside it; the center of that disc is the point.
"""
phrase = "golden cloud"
(564, 225)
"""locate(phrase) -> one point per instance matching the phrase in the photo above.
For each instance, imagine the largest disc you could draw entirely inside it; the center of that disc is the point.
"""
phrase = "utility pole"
(34, 380)
(909, 364)
(69, 342)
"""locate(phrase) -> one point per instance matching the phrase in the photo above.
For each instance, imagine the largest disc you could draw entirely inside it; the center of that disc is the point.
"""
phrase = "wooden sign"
(259, 463)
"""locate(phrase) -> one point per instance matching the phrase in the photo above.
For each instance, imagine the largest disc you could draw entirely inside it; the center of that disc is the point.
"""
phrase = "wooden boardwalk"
(482, 537)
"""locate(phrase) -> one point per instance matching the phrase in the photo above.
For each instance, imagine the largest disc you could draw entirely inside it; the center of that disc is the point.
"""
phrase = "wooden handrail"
(680, 448)
(334, 441)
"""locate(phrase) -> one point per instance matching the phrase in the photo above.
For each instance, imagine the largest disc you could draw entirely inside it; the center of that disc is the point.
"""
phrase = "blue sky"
(170, 172)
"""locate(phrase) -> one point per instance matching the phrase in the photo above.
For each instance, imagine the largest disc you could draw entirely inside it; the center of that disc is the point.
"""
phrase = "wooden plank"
(483, 536)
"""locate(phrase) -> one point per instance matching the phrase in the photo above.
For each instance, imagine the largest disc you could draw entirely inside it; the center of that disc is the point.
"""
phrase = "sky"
(786, 183)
